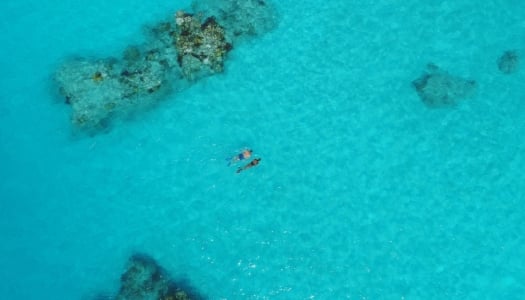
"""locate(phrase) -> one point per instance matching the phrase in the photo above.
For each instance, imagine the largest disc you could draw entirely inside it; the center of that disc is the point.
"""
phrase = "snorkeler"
(245, 154)
(253, 163)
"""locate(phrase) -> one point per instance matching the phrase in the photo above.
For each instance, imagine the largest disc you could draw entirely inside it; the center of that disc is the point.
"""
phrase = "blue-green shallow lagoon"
(363, 192)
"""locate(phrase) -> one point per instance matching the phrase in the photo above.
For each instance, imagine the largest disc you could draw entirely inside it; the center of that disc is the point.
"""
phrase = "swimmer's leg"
(231, 160)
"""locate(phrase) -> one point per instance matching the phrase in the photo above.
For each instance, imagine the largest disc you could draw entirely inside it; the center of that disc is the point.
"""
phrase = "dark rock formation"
(178, 52)
(201, 46)
(100, 90)
(437, 88)
(144, 279)
(508, 62)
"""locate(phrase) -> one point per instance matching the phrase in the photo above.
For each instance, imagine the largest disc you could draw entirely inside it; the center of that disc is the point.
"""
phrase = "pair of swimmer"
(245, 154)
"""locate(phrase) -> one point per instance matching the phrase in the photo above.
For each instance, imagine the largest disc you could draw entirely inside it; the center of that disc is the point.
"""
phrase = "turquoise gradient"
(362, 192)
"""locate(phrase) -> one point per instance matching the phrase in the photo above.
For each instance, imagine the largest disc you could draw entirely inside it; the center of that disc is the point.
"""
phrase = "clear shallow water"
(362, 193)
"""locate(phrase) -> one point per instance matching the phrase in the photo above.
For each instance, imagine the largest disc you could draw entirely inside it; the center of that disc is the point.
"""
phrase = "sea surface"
(363, 191)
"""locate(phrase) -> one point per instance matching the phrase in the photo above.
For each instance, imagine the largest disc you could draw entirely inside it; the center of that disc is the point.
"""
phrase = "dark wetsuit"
(251, 164)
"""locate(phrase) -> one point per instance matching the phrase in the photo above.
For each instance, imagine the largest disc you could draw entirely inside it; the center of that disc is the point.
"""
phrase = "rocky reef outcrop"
(178, 51)
(437, 88)
(509, 61)
(144, 279)
(201, 45)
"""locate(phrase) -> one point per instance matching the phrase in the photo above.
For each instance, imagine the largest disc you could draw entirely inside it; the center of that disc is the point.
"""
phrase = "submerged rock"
(92, 89)
(144, 279)
(178, 52)
(201, 45)
(508, 62)
(437, 88)
(100, 90)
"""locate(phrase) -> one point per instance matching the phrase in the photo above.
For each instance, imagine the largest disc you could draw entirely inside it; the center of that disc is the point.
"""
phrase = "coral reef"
(437, 88)
(100, 90)
(508, 62)
(178, 52)
(201, 47)
(144, 279)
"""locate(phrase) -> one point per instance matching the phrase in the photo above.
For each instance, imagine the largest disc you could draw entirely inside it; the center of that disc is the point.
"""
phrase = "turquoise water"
(363, 192)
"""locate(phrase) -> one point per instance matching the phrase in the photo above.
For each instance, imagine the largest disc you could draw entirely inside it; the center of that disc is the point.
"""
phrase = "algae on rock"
(201, 46)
